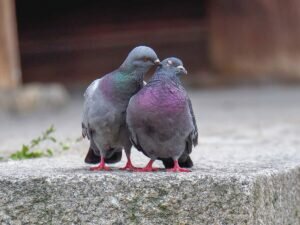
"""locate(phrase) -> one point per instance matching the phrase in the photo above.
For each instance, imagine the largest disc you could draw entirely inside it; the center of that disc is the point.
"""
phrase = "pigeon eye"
(145, 59)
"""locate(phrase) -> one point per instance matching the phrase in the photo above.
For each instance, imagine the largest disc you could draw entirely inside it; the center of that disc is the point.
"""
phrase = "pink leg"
(148, 168)
(129, 166)
(101, 166)
(177, 168)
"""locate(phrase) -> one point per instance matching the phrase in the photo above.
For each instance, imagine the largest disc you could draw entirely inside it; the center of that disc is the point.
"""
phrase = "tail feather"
(114, 158)
(184, 161)
(92, 158)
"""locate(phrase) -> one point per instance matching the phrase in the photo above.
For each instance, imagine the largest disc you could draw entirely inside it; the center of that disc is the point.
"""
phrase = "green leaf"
(49, 152)
(50, 130)
(25, 153)
(25, 149)
(35, 142)
(35, 154)
(14, 156)
(52, 139)
(64, 146)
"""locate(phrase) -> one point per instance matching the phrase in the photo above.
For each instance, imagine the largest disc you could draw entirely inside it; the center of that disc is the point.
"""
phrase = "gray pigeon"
(161, 119)
(104, 110)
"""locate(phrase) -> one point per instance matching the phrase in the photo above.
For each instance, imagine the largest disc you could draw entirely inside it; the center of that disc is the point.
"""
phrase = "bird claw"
(146, 169)
(178, 169)
(99, 168)
(130, 168)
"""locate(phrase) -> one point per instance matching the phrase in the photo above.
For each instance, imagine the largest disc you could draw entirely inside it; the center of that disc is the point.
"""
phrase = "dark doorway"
(76, 41)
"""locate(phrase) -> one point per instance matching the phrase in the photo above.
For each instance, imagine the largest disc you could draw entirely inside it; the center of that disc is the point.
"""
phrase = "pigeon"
(161, 120)
(104, 110)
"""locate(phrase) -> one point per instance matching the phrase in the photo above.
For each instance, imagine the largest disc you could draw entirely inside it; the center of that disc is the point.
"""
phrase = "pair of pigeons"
(120, 110)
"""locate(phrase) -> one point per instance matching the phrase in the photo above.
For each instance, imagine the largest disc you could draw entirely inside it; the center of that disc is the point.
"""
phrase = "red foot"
(129, 166)
(98, 168)
(177, 168)
(101, 166)
(148, 168)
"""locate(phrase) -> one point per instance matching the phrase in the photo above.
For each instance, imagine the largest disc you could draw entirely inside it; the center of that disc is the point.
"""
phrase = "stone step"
(247, 170)
(241, 188)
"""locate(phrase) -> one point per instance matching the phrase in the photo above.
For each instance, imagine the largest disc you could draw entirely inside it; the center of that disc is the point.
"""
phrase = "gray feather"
(105, 103)
(157, 130)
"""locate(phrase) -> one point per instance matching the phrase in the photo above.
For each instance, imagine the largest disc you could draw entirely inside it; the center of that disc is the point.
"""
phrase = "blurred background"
(220, 41)
(51, 50)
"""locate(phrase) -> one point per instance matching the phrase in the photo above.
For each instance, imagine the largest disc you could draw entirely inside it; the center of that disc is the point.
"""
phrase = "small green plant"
(25, 153)
(32, 151)
(64, 146)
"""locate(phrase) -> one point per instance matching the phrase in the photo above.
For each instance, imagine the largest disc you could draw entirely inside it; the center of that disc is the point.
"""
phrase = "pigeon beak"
(157, 62)
(182, 69)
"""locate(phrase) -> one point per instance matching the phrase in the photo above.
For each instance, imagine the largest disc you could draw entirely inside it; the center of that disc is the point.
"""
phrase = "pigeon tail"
(92, 158)
(184, 161)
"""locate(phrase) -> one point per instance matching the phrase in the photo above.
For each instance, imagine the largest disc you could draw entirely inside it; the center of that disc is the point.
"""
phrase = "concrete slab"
(247, 171)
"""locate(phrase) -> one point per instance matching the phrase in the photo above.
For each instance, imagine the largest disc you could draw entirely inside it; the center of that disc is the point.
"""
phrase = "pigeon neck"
(127, 67)
(137, 73)
(167, 76)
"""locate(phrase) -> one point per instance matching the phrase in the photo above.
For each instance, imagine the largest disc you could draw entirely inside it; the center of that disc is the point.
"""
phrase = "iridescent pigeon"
(104, 111)
(161, 119)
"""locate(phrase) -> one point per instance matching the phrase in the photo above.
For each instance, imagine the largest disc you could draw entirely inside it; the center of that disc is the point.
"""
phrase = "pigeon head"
(140, 59)
(174, 65)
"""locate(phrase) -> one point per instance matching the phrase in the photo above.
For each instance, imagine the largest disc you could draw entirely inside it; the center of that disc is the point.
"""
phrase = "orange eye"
(145, 59)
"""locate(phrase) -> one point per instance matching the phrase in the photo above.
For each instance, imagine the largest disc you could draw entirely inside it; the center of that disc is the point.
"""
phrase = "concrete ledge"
(63, 191)
(247, 170)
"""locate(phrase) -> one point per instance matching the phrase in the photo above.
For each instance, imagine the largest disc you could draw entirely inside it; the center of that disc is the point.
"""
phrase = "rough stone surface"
(247, 171)
(63, 191)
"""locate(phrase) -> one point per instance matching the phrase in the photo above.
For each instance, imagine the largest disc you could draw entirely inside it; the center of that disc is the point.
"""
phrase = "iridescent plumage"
(104, 111)
(161, 119)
